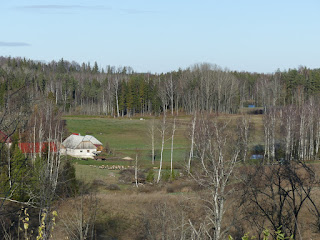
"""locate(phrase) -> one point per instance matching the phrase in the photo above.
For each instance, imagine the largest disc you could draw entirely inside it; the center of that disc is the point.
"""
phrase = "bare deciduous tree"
(116, 89)
(172, 137)
(270, 124)
(163, 127)
(276, 194)
(162, 130)
(192, 135)
(151, 132)
(243, 128)
(218, 151)
(79, 220)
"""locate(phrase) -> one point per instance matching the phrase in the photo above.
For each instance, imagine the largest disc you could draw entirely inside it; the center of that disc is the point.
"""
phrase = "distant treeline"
(85, 89)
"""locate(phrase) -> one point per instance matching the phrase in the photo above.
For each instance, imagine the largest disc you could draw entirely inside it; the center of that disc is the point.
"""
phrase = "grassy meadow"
(127, 137)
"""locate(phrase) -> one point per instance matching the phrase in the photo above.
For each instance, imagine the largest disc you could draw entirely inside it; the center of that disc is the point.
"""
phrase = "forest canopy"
(86, 89)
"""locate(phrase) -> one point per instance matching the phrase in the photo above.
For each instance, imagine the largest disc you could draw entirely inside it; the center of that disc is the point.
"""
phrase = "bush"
(149, 188)
(127, 175)
(170, 189)
(174, 175)
(67, 178)
(107, 148)
(150, 176)
(98, 182)
(113, 187)
(168, 175)
(181, 185)
(111, 226)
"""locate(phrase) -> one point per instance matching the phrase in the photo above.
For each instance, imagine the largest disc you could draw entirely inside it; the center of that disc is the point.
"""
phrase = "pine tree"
(20, 175)
(95, 68)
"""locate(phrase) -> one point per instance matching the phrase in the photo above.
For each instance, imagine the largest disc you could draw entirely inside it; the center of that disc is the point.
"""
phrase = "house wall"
(81, 153)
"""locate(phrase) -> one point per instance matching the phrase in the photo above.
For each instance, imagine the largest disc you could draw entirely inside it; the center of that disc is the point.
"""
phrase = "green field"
(126, 137)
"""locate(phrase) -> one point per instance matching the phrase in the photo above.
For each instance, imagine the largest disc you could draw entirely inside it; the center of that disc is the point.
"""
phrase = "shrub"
(166, 175)
(170, 189)
(113, 187)
(150, 176)
(149, 188)
(127, 175)
(107, 148)
(67, 178)
(111, 226)
(98, 182)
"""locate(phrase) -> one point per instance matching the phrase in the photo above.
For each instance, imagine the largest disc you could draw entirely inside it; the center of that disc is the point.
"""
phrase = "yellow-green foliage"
(26, 219)
(266, 234)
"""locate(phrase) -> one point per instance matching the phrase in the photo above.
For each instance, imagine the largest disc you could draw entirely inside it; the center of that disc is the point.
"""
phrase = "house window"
(88, 151)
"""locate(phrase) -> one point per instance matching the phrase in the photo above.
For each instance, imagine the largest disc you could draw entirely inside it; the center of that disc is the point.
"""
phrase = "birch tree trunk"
(162, 132)
(317, 135)
(273, 135)
(151, 131)
(9, 167)
(172, 137)
(288, 123)
(244, 126)
(302, 132)
(34, 141)
(171, 92)
(193, 126)
(116, 87)
(136, 170)
(311, 130)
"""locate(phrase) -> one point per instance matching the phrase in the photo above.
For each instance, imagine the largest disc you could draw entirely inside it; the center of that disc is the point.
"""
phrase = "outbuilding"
(4, 138)
(81, 146)
(37, 148)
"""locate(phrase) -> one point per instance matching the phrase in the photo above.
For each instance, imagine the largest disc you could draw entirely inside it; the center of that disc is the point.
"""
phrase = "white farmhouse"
(81, 146)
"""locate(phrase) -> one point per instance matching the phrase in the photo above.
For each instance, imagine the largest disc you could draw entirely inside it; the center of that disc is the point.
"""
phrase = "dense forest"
(86, 89)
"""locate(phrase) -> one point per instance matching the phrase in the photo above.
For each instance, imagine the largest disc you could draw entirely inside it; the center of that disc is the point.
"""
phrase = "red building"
(38, 147)
(4, 138)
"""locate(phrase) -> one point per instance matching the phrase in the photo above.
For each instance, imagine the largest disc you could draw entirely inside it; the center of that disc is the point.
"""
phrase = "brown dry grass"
(124, 215)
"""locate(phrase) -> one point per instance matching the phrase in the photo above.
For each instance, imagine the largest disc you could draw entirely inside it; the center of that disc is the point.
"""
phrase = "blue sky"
(159, 36)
